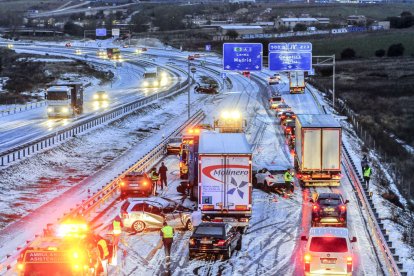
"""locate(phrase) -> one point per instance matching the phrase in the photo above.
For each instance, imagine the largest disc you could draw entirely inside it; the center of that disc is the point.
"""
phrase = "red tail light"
(221, 243)
(349, 264)
(307, 258)
(217, 220)
(315, 208)
(343, 208)
(192, 242)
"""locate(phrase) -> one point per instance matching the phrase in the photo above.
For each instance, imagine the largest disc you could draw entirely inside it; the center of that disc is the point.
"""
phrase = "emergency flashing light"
(20, 266)
(72, 230)
(307, 258)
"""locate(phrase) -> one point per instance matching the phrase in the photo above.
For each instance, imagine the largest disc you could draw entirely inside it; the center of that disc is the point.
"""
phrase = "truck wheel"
(138, 226)
(239, 244)
(228, 253)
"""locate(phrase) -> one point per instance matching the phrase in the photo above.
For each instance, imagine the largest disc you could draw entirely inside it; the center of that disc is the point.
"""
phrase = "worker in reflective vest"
(116, 231)
(288, 177)
(103, 253)
(154, 177)
(167, 234)
(367, 175)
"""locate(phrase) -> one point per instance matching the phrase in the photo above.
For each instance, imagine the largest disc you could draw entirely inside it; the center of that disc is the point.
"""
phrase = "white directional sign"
(115, 32)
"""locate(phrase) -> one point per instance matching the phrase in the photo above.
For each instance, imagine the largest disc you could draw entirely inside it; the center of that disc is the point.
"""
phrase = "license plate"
(329, 209)
(133, 185)
(206, 242)
(328, 260)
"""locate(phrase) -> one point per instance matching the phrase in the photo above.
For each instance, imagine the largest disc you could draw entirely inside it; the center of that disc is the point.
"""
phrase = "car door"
(137, 212)
(153, 215)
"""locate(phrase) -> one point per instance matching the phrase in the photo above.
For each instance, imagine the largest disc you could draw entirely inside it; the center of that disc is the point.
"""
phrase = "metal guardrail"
(378, 233)
(20, 108)
(107, 191)
(49, 140)
(375, 227)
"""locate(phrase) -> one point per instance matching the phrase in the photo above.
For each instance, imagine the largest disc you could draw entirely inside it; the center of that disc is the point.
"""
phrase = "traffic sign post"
(242, 56)
(285, 61)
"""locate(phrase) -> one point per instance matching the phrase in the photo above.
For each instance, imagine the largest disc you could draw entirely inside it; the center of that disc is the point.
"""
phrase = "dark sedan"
(329, 209)
(215, 238)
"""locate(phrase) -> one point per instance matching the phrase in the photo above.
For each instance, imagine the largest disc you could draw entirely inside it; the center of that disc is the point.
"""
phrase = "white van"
(328, 251)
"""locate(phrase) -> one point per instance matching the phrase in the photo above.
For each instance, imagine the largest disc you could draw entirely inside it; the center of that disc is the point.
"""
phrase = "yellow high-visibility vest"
(104, 247)
(116, 225)
(167, 232)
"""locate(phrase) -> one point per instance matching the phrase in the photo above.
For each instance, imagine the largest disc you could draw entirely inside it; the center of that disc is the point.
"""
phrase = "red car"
(246, 74)
(287, 115)
(289, 128)
(190, 57)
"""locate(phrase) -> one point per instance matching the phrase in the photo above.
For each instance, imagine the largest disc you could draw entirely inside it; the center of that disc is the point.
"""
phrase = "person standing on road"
(364, 162)
(288, 177)
(162, 171)
(167, 234)
(196, 217)
(154, 177)
(367, 175)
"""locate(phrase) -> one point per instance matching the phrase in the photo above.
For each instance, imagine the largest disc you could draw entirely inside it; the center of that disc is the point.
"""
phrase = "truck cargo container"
(318, 150)
(225, 178)
(296, 82)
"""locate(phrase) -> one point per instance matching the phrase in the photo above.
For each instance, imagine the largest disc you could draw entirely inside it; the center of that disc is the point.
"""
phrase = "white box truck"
(225, 178)
(318, 150)
(297, 82)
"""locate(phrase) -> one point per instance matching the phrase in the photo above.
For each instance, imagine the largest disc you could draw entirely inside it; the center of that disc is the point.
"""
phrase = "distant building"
(291, 22)
(240, 29)
(356, 20)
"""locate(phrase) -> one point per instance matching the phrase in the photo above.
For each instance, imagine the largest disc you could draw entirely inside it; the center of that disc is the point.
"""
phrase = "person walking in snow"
(162, 171)
(367, 172)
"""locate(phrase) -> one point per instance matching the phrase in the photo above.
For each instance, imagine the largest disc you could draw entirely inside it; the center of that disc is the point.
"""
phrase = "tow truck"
(68, 249)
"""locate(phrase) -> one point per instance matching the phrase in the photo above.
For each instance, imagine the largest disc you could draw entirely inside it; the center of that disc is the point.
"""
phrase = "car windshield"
(57, 96)
(209, 231)
(328, 244)
(329, 201)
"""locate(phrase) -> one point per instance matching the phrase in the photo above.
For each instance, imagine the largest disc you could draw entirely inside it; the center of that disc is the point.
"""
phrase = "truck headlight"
(65, 110)
(145, 83)
(155, 83)
(105, 96)
(95, 97)
(50, 109)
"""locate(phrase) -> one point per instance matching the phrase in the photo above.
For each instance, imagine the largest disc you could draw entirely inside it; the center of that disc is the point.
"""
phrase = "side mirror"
(354, 239)
(303, 238)
(346, 201)
(311, 201)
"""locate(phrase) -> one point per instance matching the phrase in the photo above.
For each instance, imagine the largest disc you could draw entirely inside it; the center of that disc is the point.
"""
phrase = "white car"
(273, 80)
(269, 176)
(328, 251)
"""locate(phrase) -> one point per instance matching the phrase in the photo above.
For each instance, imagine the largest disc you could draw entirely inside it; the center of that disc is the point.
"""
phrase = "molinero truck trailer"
(225, 178)
(318, 150)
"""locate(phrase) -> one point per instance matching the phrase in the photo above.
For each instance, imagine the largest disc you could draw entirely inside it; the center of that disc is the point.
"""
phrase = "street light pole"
(189, 87)
(333, 83)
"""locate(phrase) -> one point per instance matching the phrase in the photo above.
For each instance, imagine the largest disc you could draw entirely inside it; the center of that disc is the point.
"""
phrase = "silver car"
(139, 214)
